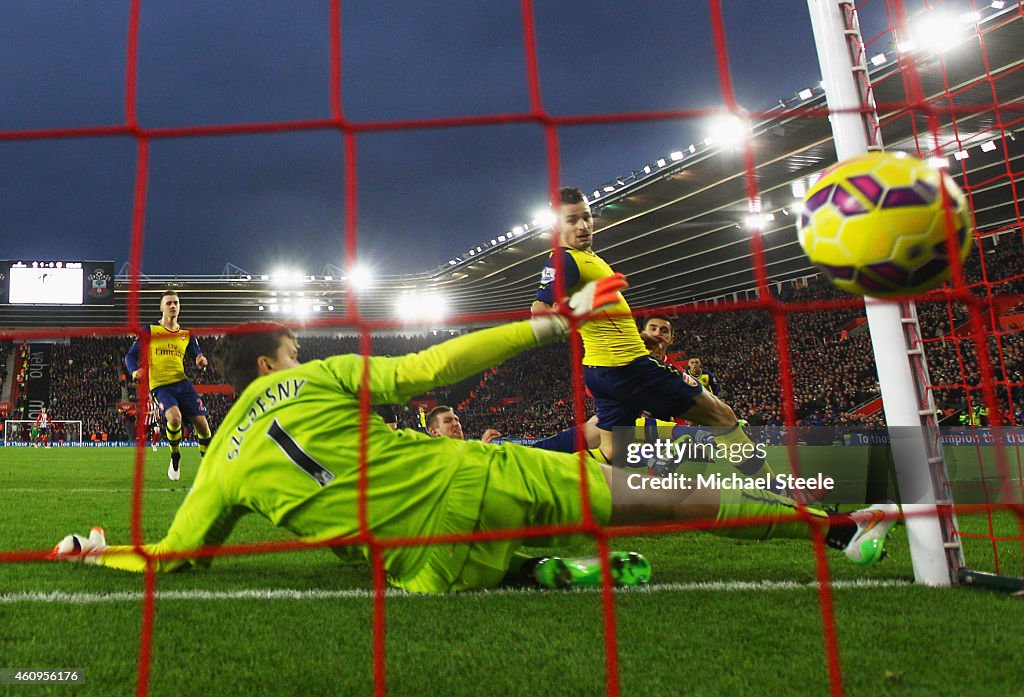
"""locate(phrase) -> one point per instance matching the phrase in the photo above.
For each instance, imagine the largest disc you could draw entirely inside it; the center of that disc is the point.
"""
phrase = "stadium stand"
(834, 379)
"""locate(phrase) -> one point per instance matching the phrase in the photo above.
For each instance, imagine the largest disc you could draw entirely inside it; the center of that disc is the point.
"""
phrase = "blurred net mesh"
(973, 329)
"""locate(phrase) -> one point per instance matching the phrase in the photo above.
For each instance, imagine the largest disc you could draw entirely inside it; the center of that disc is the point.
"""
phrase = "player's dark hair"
(236, 355)
(665, 318)
(434, 415)
(571, 194)
(168, 292)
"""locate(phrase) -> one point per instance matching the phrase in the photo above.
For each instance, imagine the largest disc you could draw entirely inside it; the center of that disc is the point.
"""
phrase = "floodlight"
(546, 217)
(359, 277)
(937, 31)
(729, 130)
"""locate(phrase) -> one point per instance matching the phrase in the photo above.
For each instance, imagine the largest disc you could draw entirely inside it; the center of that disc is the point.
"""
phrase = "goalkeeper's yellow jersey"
(289, 450)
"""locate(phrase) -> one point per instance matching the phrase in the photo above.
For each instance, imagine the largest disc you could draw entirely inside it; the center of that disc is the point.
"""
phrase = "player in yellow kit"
(622, 376)
(169, 346)
(289, 449)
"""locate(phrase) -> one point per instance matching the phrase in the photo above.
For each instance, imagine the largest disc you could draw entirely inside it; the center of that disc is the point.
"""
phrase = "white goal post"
(19, 432)
(935, 550)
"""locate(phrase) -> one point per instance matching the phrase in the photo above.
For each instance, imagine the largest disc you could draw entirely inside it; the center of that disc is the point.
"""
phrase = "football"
(875, 224)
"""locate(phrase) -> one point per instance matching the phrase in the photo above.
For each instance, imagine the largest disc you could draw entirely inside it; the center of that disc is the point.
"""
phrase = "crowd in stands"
(5, 350)
(830, 364)
(86, 382)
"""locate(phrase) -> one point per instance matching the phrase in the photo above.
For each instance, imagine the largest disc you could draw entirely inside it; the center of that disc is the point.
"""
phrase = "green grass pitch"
(720, 618)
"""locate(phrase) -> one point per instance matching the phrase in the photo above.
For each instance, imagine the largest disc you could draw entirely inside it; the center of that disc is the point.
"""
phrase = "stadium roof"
(677, 230)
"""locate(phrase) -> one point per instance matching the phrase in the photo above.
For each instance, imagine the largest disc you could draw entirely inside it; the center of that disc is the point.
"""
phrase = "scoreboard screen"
(35, 282)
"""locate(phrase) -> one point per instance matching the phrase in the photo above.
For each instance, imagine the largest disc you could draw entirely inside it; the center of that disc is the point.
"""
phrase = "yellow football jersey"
(613, 340)
(167, 352)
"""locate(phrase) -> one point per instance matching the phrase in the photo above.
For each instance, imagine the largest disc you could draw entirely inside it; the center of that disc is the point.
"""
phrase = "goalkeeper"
(289, 449)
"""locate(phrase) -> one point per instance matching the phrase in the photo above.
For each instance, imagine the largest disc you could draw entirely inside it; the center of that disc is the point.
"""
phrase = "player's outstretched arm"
(93, 549)
(205, 519)
(401, 378)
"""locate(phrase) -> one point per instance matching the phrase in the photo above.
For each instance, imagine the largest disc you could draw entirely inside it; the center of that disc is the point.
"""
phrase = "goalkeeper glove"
(79, 548)
(583, 303)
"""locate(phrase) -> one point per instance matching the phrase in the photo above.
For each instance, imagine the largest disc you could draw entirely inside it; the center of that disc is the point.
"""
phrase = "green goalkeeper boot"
(628, 569)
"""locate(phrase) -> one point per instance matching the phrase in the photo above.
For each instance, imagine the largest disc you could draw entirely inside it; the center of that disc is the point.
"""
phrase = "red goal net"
(713, 226)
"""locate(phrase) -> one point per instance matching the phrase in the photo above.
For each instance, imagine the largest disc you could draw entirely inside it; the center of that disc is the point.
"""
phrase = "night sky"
(424, 196)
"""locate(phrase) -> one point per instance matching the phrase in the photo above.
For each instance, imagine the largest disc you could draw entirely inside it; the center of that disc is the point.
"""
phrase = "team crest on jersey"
(547, 275)
(689, 380)
(99, 283)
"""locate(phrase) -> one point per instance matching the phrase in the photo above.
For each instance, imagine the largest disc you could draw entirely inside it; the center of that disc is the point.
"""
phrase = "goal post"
(935, 550)
(18, 432)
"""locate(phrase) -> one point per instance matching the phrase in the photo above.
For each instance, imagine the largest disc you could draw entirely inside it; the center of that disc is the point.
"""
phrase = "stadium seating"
(830, 359)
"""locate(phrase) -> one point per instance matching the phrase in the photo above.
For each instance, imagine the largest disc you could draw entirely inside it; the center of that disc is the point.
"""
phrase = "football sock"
(780, 514)
(841, 529)
(755, 465)
(564, 442)
(204, 443)
(520, 570)
(173, 437)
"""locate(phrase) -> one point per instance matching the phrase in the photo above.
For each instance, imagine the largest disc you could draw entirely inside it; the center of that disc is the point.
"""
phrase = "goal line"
(60, 597)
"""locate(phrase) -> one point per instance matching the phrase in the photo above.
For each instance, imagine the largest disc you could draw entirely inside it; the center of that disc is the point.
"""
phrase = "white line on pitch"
(347, 594)
(89, 491)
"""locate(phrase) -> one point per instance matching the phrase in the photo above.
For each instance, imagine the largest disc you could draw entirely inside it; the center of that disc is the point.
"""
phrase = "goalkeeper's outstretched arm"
(402, 378)
(205, 519)
(207, 515)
